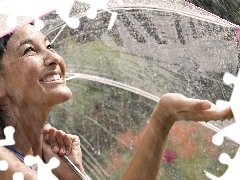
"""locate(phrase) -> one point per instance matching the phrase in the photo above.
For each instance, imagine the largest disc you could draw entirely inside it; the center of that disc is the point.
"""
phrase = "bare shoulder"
(14, 165)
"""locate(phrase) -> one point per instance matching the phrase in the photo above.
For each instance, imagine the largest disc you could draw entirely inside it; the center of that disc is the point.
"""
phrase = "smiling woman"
(32, 81)
(40, 63)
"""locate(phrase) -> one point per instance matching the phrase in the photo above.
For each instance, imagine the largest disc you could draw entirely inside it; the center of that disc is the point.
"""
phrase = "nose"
(51, 59)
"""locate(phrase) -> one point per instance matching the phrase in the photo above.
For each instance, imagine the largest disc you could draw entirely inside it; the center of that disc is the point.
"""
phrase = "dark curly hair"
(3, 42)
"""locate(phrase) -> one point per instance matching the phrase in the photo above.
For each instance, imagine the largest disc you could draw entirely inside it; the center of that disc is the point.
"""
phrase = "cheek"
(26, 72)
(33, 69)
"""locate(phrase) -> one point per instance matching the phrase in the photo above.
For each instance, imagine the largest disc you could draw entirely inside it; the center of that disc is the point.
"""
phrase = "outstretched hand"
(172, 107)
(176, 107)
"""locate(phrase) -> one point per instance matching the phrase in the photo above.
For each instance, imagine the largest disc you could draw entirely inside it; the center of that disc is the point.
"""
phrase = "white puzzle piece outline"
(8, 132)
(44, 171)
(231, 132)
(232, 173)
(9, 140)
(62, 7)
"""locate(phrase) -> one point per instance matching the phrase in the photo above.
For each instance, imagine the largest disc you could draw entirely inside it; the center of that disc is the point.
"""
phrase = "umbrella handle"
(73, 167)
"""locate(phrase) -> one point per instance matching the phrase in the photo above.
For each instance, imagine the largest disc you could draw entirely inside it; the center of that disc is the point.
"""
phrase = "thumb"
(196, 105)
(206, 105)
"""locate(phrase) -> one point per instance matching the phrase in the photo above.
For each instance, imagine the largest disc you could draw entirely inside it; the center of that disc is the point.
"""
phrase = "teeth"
(51, 78)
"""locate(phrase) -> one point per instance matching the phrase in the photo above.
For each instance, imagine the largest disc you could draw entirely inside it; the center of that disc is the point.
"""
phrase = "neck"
(28, 124)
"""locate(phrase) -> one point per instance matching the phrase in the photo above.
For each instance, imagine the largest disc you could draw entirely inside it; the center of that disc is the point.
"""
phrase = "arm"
(146, 161)
(15, 165)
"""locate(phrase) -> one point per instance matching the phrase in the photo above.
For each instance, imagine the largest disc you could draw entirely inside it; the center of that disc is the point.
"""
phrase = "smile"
(52, 78)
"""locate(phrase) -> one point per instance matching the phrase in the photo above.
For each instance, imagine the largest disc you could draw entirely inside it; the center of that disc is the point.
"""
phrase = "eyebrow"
(27, 41)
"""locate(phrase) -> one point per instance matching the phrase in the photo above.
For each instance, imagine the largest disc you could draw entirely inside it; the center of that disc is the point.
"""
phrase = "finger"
(181, 103)
(46, 138)
(227, 113)
(212, 111)
(53, 140)
(61, 145)
(207, 115)
(219, 114)
(75, 141)
(68, 144)
(199, 105)
(192, 105)
(45, 131)
(46, 127)
(206, 105)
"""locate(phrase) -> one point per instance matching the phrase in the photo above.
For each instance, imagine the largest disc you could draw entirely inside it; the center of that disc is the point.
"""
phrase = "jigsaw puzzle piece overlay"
(232, 131)
(8, 132)
(44, 170)
(9, 140)
(62, 7)
(232, 172)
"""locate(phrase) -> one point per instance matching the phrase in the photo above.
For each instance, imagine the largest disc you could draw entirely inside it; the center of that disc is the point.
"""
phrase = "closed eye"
(29, 49)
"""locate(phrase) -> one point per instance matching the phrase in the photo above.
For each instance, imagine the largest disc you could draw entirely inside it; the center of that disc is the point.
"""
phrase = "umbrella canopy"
(117, 76)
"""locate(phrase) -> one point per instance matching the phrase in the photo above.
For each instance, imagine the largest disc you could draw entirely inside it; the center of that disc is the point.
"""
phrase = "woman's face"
(33, 72)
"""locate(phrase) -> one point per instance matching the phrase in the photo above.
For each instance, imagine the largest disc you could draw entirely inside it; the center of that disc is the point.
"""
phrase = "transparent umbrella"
(117, 76)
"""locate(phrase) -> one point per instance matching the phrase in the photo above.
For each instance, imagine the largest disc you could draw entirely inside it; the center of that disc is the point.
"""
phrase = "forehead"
(27, 32)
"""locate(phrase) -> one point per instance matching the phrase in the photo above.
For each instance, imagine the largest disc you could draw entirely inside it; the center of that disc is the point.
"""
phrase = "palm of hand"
(176, 107)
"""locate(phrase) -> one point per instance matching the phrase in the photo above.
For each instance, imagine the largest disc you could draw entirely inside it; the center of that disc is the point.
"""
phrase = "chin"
(62, 95)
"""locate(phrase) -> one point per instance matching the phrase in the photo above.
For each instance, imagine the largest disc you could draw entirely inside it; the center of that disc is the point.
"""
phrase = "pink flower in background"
(169, 156)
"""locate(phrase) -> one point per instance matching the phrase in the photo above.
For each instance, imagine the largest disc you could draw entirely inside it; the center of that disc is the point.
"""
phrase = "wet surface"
(146, 52)
(118, 76)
